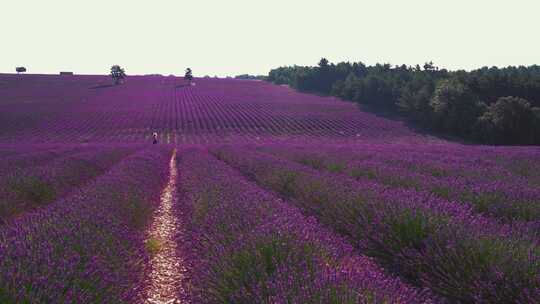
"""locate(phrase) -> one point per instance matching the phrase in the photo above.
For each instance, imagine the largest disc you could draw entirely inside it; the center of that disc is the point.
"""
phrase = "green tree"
(350, 86)
(374, 90)
(455, 107)
(510, 120)
(323, 63)
(188, 75)
(461, 96)
(429, 66)
(414, 101)
(117, 74)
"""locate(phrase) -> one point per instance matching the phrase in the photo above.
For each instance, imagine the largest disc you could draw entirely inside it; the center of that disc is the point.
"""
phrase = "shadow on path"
(102, 86)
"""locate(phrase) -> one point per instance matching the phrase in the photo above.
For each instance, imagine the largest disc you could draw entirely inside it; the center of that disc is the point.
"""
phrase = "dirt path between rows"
(166, 266)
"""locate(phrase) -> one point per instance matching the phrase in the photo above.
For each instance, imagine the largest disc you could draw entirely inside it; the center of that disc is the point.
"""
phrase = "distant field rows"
(49, 109)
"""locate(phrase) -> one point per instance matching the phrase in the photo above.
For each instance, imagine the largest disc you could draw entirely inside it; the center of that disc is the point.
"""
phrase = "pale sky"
(230, 37)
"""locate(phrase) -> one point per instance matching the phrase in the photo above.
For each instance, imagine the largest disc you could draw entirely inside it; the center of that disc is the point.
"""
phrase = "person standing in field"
(154, 136)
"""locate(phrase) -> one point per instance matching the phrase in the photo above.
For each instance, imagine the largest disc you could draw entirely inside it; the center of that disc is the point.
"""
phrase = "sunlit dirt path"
(166, 274)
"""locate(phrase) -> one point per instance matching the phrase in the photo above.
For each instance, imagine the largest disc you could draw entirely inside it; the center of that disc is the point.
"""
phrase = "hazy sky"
(229, 37)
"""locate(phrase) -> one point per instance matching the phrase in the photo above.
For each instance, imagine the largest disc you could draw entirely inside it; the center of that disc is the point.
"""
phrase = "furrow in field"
(430, 242)
(35, 187)
(89, 246)
(37, 157)
(166, 274)
(474, 180)
(248, 246)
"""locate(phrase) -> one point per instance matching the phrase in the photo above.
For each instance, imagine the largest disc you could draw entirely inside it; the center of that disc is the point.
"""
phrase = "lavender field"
(89, 109)
(255, 193)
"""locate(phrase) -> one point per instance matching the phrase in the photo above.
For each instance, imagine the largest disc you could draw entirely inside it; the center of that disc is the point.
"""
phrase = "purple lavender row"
(462, 156)
(393, 185)
(248, 246)
(485, 186)
(29, 188)
(431, 242)
(87, 247)
(477, 164)
(13, 150)
(81, 109)
(39, 156)
(32, 155)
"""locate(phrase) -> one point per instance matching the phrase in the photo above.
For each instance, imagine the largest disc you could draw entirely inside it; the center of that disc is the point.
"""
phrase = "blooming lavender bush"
(473, 177)
(84, 248)
(431, 242)
(37, 156)
(33, 187)
(248, 246)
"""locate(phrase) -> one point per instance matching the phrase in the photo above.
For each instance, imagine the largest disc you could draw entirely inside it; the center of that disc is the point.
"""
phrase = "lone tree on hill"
(189, 75)
(323, 63)
(117, 74)
(20, 70)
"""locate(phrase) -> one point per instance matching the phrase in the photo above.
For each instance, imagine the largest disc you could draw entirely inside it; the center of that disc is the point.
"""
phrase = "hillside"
(255, 194)
(49, 109)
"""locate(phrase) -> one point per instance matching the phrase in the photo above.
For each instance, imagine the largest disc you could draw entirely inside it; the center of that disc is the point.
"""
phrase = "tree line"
(487, 105)
(250, 77)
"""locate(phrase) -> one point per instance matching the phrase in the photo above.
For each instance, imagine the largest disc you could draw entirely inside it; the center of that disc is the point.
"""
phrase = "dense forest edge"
(490, 105)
